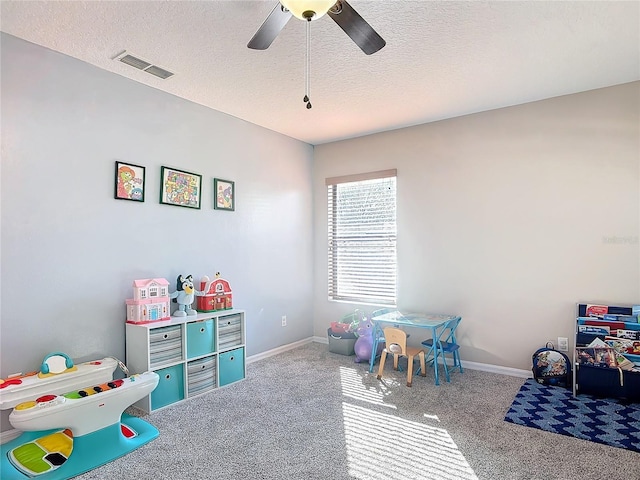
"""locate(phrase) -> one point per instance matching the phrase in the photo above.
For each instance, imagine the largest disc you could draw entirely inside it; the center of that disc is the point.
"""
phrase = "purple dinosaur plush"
(364, 343)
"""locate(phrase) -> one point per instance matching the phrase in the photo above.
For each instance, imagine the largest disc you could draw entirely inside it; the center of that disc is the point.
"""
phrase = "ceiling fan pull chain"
(307, 69)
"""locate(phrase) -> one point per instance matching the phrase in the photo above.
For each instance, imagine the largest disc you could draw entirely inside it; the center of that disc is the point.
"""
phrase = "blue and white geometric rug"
(554, 409)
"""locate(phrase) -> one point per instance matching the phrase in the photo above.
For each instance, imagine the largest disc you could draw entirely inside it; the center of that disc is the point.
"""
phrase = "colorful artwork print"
(224, 194)
(129, 183)
(180, 188)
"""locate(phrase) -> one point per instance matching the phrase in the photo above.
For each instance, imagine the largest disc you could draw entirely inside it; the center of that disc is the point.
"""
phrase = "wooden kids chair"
(382, 311)
(396, 345)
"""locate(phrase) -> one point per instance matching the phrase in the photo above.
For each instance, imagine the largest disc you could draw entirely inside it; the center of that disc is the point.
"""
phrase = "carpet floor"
(308, 414)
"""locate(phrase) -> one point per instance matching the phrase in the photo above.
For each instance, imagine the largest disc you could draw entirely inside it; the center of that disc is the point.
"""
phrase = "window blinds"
(362, 237)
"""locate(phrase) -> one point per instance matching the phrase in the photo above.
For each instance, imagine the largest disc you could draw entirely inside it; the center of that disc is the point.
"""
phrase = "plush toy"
(364, 343)
(185, 295)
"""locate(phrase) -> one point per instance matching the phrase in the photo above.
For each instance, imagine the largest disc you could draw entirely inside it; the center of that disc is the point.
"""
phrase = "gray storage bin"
(341, 344)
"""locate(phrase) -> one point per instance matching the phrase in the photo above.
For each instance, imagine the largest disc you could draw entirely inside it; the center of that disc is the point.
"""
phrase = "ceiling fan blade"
(356, 27)
(270, 29)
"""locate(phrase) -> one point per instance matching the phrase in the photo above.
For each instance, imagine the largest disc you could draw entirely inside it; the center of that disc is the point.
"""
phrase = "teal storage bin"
(200, 338)
(231, 365)
(170, 387)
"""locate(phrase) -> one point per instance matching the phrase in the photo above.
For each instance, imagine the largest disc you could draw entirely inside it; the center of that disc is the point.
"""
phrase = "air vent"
(135, 62)
(158, 72)
(143, 65)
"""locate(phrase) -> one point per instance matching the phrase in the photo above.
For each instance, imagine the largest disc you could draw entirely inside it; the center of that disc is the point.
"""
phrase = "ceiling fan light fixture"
(308, 9)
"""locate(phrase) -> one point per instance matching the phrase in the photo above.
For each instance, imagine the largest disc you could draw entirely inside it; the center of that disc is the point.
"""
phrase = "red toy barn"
(218, 297)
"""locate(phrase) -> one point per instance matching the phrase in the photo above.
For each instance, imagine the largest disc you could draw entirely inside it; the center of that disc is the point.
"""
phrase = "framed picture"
(180, 188)
(225, 194)
(129, 182)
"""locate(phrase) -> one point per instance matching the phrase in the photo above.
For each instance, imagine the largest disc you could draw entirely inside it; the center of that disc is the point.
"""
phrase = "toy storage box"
(341, 343)
(602, 381)
(605, 382)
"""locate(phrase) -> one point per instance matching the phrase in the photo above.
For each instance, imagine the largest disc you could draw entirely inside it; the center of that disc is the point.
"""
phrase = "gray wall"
(507, 217)
(70, 251)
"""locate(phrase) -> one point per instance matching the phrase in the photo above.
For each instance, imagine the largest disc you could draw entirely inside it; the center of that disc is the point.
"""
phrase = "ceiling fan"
(340, 11)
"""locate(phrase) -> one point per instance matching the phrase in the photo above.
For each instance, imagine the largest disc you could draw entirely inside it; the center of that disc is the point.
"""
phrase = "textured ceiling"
(442, 59)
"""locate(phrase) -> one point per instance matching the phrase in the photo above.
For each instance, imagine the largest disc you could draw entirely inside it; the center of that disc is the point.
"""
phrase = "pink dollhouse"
(217, 297)
(150, 301)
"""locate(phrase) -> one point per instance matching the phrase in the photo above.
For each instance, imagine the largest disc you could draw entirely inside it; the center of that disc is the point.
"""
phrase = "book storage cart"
(600, 380)
(192, 355)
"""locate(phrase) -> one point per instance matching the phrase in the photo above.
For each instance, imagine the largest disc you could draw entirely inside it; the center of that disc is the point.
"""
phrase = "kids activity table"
(429, 321)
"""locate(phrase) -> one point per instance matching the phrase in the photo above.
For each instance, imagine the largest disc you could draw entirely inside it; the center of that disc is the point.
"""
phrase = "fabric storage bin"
(229, 331)
(170, 387)
(599, 381)
(200, 338)
(165, 345)
(171, 332)
(608, 382)
(231, 366)
(343, 343)
(631, 386)
(201, 376)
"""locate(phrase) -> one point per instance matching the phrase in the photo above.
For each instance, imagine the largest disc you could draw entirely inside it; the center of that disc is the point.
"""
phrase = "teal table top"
(413, 319)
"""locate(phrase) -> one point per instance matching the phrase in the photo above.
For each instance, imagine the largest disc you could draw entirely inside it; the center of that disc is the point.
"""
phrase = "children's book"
(629, 334)
(596, 330)
(599, 343)
(624, 363)
(596, 310)
(619, 343)
(597, 357)
(599, 311)
(621, 318)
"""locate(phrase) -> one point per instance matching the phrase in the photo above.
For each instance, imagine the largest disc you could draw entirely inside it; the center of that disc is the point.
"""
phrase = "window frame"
(386, 294)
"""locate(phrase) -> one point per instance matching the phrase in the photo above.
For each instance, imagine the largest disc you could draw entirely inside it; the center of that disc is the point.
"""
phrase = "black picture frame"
(129, 182)
(180, 188)
(224, 194)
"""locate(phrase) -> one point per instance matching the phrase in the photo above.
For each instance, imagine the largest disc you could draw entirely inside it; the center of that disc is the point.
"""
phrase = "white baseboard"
(276, 351)
(483, 367)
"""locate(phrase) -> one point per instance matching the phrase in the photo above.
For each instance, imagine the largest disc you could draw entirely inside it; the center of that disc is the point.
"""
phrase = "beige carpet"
(310, 414)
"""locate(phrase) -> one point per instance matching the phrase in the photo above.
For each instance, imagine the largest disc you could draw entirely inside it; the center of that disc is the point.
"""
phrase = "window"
(362, 237)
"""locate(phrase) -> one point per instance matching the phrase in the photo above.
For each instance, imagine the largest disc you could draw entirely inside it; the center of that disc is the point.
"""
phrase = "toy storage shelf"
(599, 380)
(192, 355)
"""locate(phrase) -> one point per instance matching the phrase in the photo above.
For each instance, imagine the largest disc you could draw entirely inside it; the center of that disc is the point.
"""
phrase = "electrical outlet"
(284, 320)
(563, 344)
